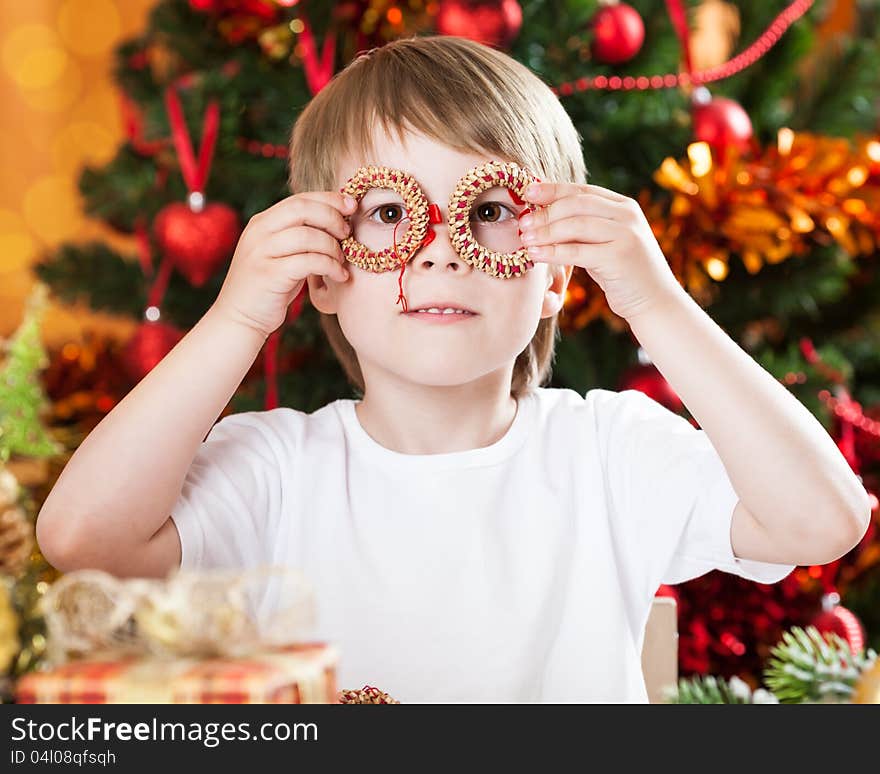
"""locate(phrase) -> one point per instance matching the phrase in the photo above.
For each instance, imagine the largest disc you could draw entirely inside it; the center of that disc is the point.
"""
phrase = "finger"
(324, 209)
(579, 228)
(544, 193)
(588, 256)
(299, 266)
(589, 204)
(302, 239)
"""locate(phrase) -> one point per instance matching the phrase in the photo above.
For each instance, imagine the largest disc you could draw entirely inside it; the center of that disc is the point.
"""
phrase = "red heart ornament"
(197, 242)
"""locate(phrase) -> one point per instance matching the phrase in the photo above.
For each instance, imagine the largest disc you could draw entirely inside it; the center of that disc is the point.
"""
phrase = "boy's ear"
(557, 281)
(321, 295)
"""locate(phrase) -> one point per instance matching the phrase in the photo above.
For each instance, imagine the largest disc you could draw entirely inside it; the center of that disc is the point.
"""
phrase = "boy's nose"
(435, 217)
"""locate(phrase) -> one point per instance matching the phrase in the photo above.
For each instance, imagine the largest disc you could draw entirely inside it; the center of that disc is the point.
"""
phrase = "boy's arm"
(110, 507)
(800, 502)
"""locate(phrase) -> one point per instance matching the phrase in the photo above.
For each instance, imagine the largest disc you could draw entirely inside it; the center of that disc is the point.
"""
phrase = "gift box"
(215, 637)
(304, 673)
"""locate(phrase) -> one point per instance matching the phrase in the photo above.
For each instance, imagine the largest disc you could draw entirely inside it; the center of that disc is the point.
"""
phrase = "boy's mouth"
(442, 308)
(442, 312)
(433, 316)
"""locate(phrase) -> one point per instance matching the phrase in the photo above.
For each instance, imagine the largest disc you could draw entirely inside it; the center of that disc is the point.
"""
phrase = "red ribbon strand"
(195, 172)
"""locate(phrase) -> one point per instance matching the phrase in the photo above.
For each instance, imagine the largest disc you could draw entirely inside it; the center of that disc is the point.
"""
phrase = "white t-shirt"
(522, 571)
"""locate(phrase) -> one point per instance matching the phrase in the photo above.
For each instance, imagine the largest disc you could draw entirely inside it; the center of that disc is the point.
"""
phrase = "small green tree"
(22, 398)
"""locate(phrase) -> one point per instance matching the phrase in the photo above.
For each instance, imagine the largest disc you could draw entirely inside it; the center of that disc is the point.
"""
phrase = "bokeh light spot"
(89, 27)
(52, 209)
(59, 95)
(83, 142)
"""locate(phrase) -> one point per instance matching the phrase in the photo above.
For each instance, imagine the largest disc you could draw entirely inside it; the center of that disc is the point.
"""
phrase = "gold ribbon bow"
(217, 613)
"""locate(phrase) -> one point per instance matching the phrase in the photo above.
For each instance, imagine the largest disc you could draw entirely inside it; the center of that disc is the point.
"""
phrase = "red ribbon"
(145, 258)
(270, 359)
(270, 370)
(678, 17)
(195, 172)
(142, 242)
(157, 292)
(318, 74)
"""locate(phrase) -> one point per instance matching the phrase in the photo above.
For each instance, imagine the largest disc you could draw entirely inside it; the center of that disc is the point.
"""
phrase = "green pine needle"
(716, 690)
(809, 667)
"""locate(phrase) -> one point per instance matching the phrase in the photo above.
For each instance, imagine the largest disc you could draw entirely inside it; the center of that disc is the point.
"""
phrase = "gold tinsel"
(715, 33)
(867, 689)
(804, 192)
(9, 642)
(276, 41)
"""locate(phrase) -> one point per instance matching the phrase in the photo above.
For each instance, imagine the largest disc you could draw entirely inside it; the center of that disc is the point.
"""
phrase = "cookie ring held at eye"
(489, 175)
(405, 184)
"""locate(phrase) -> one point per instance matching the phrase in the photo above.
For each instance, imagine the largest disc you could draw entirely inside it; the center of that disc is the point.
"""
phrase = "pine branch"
(810, 667)
(716, 690)
(96, 275)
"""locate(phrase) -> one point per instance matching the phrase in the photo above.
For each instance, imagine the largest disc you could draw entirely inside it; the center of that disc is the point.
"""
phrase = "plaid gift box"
(304, 673)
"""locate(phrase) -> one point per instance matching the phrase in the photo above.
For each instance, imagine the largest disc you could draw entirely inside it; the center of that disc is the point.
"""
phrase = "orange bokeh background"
(60, 112)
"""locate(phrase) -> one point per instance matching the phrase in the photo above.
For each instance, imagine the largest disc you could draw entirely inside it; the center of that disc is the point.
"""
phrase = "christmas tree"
(23, 401)
(747, 131)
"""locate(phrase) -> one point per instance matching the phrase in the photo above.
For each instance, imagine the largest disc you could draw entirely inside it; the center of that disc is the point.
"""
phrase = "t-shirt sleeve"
(230, 499)
(670, 494)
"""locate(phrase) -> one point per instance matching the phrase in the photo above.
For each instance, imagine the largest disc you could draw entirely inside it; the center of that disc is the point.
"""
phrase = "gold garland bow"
(205, 614)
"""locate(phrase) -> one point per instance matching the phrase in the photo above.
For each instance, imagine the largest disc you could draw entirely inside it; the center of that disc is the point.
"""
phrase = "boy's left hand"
(605, 233)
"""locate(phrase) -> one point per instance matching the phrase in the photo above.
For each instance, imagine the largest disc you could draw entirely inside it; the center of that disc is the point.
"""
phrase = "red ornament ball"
(647, 379)
(197, 243)
(150, 343)
(723, 124)
(664, 590)
(839, 620)
(491, 22)
(618, 33)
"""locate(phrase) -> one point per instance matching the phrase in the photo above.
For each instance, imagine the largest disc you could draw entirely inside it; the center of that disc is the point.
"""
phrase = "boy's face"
(419, 347)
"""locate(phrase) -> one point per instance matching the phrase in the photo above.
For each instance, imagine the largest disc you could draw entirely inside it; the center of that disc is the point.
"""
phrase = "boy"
(470, 535)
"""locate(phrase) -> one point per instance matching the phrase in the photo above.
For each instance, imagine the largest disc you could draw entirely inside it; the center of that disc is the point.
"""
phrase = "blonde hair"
(458, 92)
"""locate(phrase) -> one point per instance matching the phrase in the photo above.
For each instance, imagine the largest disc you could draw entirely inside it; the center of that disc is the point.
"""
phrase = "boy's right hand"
(278, 249)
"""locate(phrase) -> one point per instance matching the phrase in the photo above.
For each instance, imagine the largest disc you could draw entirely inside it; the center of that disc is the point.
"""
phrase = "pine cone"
(368, 695)
(8, 488)
(16, 531)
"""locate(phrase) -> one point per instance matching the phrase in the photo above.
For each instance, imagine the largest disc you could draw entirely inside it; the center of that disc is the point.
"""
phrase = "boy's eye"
(492, 212)
(389, 214)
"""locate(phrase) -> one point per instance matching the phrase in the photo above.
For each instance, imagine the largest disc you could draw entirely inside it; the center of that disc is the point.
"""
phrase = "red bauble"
(618, 33)
(839, 620)
(150, 343)
(723, 124)
(244, 8)
(647, 379)
(197, 242)
(663, 590)
(492, 22)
